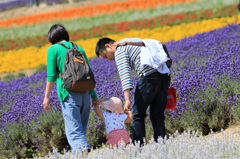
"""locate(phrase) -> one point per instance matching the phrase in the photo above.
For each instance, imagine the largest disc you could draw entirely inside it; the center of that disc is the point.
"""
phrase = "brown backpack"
(77, 75)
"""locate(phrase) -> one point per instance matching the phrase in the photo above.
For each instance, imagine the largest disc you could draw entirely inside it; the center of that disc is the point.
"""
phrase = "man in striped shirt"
(152, 85)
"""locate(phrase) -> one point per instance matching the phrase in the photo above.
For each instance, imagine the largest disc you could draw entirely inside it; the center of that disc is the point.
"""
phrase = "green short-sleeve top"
(55, 60)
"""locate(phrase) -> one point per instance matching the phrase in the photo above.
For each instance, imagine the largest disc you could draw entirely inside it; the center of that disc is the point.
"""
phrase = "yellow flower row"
(32, 57)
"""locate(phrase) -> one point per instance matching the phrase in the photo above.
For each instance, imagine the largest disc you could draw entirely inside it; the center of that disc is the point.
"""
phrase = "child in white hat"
(115, 118)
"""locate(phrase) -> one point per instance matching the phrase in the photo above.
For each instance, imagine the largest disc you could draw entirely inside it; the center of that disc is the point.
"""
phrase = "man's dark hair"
(101, 44)
(57, 33)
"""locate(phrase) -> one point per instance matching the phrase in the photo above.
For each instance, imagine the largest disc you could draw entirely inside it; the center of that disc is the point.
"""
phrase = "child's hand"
(130, 116)
(128, 111)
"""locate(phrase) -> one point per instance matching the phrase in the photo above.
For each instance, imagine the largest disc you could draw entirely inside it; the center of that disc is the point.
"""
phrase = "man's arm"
(123, 65)
(127, 105)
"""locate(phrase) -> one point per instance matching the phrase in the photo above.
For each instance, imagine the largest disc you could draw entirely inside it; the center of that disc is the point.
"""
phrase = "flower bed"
(32, 57)
(87, 23)
(186, 145)
(86, 11)
(13, 4)
(104, 30)
(205, 73)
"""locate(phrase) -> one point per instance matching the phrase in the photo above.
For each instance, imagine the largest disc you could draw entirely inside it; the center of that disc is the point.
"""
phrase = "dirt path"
(231, 130)
(24, 11)
(27, 73)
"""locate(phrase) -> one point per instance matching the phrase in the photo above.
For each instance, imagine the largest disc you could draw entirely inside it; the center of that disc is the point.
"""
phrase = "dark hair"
(57, 33)
(101, 44)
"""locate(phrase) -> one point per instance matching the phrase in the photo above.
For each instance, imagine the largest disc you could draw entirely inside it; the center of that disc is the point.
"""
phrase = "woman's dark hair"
(101, 45)
(57, 33)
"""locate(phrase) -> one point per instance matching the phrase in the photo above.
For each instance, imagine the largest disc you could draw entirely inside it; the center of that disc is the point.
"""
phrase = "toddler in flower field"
(115, 119)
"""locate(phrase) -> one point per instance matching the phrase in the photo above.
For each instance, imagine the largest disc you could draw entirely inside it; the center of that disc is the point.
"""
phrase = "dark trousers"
(150, 91)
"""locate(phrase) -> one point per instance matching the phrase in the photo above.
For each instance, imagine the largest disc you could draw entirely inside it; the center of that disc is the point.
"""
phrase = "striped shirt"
(128, 57)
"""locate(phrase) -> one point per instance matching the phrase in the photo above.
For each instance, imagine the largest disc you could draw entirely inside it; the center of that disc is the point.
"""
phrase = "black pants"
(150, 91)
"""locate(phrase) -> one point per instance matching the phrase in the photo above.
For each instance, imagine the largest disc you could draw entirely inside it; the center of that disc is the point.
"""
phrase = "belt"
(158, 73)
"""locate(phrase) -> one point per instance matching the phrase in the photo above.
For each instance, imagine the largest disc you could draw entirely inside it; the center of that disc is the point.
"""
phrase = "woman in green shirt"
(75, 106)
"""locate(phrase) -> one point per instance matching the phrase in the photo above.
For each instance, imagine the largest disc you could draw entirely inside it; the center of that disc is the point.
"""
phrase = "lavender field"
(20, 3)
(205, 73)
(13, 4)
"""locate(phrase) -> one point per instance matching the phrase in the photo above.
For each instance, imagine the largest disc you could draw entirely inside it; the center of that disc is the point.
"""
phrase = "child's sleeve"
(124, 117)
(104, 114)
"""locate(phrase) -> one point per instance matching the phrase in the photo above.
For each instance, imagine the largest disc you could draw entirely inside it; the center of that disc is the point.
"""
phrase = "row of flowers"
(168, 19)
(31, 57)
(108, 8)
(205, 73)
(85, 23)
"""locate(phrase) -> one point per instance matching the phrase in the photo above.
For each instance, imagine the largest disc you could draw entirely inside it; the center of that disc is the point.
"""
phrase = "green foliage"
(211, 109)
(36, 85)
(20, 75)
(23, 140)
(12, 76)
(15, 140)
(49, 131)
(96, 133)
(8, 77)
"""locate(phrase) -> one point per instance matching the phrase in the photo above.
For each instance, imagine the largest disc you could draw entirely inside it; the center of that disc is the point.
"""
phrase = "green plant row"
(39, 137)
(21, 74)
(159, 21)
(25, 31)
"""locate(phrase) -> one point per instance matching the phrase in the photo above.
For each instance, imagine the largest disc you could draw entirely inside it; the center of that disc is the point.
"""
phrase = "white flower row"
(188, 145)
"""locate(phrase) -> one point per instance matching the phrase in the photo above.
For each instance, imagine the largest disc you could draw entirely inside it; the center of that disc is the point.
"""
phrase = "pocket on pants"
(148, 88)
(152, 85)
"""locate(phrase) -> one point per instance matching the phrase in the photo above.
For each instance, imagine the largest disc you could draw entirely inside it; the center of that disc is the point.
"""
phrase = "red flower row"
(159, 21)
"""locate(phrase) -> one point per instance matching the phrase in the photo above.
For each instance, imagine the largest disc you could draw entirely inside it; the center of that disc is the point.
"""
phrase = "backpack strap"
(165, 49)
(169, 61)
(63, 45)
(59, 73)
(142, 44)
(74, 45)
(131, 43)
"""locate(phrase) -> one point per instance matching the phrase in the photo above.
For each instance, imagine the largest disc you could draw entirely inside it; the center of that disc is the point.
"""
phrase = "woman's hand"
(45, 104)
(95, 102)
(47, 93)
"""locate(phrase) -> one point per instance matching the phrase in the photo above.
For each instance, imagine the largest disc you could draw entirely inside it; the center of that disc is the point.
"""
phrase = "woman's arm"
(49, 87)
(98, 111)
(130, 117)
